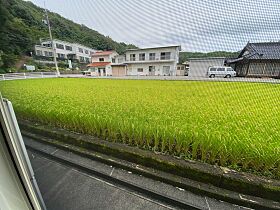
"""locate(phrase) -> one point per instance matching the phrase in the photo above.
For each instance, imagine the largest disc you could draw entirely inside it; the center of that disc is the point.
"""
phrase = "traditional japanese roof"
(102, 53)
(258, 51)
(98, 64)
(262, 50)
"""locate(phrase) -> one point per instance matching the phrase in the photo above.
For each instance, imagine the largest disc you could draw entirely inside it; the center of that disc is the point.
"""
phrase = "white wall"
(83, 54)
(157, 62)
(132, 69)
(120, 59)
(108, 70)
(173, 50)
(199, 67)
(42, 49)
(96, 58)
(107, 58)
(75, 49)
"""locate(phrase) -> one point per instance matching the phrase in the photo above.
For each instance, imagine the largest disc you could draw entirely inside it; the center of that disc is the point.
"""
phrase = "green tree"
(1, 60)
(184, 56)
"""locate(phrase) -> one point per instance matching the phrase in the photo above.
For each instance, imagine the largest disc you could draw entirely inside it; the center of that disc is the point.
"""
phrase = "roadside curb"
(219, 177)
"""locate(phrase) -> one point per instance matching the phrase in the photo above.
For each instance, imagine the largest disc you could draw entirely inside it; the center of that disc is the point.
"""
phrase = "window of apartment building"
(82, 59)
(140, 70)
(60, 46)
(46, 53)
(39, 52)
(178, 68)
(120, 60)
(101, 59)
(47, 45)
(86, 52)
(165, 55)
(141, 56)
(60, 55)
(81, 50)
(152, 56)
(132, 57)
(113, 60)
(87, 60)
(50, 54)
(152, 68)
(166, 70)
(183, 68)
(69, 48)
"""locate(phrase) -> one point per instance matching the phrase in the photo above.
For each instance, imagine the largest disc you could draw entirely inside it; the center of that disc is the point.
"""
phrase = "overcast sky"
(197, 25)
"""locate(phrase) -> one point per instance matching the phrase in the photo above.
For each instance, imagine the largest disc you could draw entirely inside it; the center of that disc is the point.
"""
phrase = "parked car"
(222, 71)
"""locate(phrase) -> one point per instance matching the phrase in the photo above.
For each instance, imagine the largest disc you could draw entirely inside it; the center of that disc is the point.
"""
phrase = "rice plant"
(220, 123)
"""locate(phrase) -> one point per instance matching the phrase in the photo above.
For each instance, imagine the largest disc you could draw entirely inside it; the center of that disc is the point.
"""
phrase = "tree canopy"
(184, 56)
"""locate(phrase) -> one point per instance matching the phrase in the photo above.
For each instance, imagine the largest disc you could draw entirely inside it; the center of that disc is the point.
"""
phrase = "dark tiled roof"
(263, 50)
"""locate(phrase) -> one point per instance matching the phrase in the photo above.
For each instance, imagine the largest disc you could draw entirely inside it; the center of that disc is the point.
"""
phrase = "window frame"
(224, 69)
(142, 56)
(165, 55)
(59, 46)
(152, 56)
(68, 48)
(132, 57)
(213, 68)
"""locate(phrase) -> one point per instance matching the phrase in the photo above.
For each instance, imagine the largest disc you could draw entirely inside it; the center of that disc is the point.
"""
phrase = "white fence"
(29, 75)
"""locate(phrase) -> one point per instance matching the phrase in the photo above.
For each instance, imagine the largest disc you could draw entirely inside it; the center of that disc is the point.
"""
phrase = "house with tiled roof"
(101, 63)
(153, 61)
(258, 60)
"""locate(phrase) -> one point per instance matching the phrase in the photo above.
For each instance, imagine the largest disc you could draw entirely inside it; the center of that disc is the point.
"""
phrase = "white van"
(223, 71)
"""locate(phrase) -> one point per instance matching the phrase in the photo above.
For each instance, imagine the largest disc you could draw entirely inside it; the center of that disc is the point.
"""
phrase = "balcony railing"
(153, 59)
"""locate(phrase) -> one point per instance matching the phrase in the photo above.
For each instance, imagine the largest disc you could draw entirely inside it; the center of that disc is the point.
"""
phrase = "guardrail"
(28, 75)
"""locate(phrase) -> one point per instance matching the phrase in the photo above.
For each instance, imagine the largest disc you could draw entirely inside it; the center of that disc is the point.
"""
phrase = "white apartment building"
(152, 61)
(65, 50)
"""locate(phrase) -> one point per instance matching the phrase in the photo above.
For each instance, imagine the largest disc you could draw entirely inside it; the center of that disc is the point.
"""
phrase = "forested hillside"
(184, 56)
(21, 27)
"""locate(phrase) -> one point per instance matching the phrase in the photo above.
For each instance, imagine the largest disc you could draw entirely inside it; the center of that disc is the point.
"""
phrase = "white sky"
(197, 25)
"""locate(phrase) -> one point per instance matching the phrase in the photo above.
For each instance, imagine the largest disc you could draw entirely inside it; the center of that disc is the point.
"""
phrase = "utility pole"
(51, 38)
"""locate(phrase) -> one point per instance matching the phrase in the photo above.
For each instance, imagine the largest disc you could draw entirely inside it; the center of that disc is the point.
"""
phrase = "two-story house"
(160, 61)
(64, 50)
(101, 63)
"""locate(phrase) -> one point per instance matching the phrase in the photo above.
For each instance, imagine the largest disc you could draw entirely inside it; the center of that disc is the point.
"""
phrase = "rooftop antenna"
(51, 38)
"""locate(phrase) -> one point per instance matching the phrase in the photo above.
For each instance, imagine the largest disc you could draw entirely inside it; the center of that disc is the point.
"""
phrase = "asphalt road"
(181, 78)
(65, 188)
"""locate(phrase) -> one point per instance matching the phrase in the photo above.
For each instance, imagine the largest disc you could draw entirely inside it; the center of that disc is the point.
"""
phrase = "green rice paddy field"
(229, 124)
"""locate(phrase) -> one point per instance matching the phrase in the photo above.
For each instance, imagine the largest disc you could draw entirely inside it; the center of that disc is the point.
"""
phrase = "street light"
(53, 47)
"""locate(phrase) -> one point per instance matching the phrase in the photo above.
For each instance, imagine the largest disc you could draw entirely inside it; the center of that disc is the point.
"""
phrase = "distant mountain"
(184, 56)
(21, 27)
